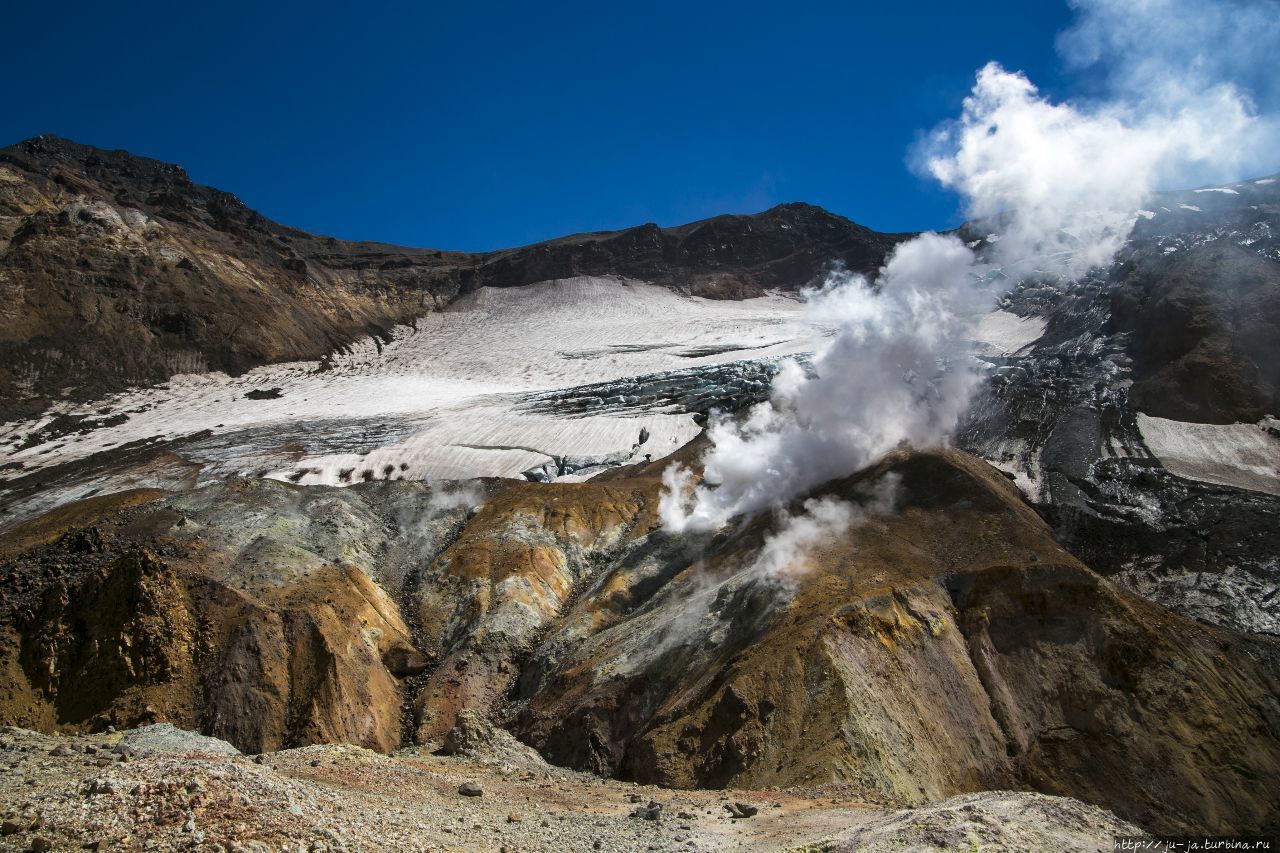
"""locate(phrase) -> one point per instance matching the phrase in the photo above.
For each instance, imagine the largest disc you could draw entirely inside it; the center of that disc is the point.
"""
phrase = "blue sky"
(478, 126)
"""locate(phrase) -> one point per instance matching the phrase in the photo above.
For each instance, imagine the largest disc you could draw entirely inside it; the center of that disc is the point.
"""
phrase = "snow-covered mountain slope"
(441, 399)
(551, 381)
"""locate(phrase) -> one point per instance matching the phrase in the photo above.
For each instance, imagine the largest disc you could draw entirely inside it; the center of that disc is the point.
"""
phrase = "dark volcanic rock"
(1203, 342)
(1185, 325)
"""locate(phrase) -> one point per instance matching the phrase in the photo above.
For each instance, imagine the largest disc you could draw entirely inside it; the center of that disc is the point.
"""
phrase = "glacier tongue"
(495, 441)
(465, 392)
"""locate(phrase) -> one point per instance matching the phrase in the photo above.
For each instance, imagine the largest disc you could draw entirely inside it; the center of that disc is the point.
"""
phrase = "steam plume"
(875, 385)
(1063, 182)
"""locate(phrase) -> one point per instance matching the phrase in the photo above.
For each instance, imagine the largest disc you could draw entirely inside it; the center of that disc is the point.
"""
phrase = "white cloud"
(1066, 179)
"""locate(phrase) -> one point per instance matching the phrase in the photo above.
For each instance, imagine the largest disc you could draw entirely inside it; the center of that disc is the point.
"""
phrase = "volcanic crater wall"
(948, 647)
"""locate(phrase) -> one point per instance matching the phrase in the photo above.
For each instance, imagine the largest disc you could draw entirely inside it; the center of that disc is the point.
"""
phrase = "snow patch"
(1002, 333)
(1014, 457)
(1246, 456)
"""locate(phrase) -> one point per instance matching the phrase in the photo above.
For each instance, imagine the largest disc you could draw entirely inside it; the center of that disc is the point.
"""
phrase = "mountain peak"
(42, 153)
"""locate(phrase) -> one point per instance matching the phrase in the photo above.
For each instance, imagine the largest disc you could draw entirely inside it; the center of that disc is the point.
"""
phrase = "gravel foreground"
(160, 788)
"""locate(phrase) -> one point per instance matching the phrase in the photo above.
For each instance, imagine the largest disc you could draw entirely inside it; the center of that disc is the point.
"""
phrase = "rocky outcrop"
(168, 739)
(260, 613)
(951, 647)
(120, 637)
(525, 556)
(1202, 329)
(997, 820)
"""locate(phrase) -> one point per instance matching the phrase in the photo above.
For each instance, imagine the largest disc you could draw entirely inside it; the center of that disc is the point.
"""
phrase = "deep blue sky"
(477, 126)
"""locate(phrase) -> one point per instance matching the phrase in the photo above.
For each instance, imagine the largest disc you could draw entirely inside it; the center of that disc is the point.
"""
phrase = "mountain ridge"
(62, 149)
(123, 272)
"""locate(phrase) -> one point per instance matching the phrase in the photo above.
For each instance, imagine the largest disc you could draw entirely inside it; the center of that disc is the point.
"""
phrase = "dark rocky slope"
(1185, 325)
(950, 646)
(116, 270)
(1202, 328)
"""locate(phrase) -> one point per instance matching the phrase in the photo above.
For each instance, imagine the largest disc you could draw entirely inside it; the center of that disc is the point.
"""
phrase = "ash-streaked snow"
(1246, 456)
(1002, 333)
(444, 394)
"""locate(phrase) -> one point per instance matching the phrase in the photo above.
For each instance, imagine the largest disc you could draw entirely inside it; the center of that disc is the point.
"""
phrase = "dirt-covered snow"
(1246, 456)
(1002, 333)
